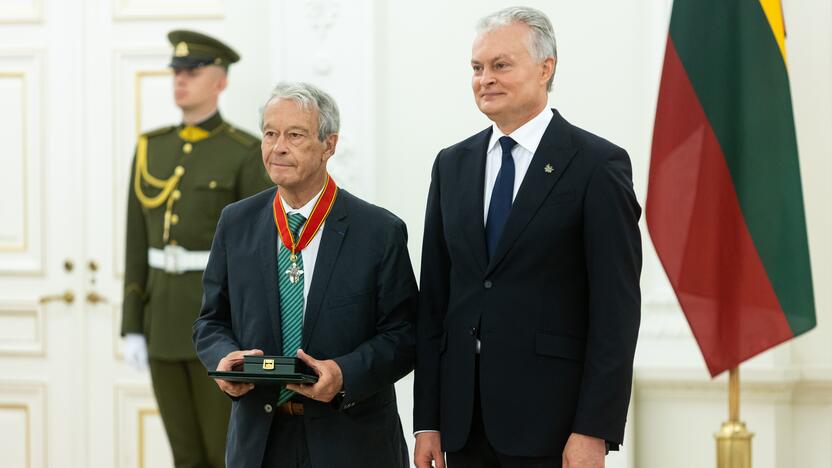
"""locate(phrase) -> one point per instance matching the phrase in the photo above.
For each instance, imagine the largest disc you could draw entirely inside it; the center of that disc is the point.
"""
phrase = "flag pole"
(733, 441)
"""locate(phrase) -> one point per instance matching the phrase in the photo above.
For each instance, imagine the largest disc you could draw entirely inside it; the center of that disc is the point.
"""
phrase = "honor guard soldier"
(182, 177)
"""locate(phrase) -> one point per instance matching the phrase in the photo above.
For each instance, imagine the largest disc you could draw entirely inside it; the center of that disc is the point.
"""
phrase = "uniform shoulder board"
(242, 136)
(159, 131)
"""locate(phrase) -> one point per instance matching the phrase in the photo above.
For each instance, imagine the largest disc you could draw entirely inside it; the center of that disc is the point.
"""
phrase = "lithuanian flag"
(724, 202)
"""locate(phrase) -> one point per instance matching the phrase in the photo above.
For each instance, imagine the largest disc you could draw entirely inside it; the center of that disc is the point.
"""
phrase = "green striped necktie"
(291, 300)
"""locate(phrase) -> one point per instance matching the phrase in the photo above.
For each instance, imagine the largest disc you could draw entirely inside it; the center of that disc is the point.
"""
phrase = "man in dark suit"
(310, 269)
(529, 303)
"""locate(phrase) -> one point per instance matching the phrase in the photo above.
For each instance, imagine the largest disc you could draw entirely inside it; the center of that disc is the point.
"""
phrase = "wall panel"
(23, 425)
(21, 181)
(140, 440)
(21, 329)
(163, 9)
(20, 11)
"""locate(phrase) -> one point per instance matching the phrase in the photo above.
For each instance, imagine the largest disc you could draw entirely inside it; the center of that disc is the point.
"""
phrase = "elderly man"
(308, 268)
(182, 177)
(529, 303)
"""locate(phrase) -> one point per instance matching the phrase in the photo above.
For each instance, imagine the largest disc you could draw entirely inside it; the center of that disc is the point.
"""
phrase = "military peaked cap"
(192, 49)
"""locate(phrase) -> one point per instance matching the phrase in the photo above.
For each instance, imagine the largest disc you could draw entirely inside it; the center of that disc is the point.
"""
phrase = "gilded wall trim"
(24, 154)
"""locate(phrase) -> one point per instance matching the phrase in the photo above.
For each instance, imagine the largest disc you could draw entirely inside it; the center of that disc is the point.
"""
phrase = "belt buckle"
(173, 256)
(292, 408)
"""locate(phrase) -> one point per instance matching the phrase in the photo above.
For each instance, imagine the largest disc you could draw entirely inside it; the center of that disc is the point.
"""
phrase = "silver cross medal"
(294, 273)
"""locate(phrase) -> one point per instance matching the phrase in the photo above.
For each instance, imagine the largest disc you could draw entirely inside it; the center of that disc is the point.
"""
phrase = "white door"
(78, 81)
(41, 309)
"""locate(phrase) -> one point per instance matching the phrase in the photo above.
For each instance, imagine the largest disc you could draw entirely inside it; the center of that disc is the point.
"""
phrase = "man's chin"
(281, 179)
(490, 109)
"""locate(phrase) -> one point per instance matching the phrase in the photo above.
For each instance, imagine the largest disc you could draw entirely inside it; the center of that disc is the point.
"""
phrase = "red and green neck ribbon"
(313, 224)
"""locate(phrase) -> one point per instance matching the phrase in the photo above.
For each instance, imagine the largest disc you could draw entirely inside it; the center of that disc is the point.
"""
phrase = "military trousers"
(194, 412)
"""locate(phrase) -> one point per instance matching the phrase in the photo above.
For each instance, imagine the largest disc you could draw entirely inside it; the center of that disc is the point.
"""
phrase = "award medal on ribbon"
(313, 224)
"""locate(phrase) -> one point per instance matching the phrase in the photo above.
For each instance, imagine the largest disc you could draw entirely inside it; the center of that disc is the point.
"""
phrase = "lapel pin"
(549, 169)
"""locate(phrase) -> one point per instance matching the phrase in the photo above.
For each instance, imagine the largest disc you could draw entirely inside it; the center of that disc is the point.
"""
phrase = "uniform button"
(179, 171)
(212, 185)
(173, 242)
(174, 219)
(177, 194)
(187, 148)
(267, 408)
(473, 331)
(488, 284)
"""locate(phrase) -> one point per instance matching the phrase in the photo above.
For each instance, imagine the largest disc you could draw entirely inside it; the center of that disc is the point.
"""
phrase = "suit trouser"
(194, 411)
(286, 446)
(478, 452)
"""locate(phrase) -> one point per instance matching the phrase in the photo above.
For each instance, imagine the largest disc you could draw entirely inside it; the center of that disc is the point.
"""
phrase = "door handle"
(67, 296)
(95, 298)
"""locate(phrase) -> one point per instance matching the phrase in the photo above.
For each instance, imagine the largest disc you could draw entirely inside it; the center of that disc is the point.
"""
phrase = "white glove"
(135, 351)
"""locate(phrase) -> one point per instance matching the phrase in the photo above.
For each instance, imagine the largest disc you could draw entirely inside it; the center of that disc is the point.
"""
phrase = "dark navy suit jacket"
(556, 308)
(360, 312)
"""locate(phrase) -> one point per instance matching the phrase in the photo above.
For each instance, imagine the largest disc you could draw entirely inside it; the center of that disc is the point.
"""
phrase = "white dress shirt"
(528, 138)
(310, 253)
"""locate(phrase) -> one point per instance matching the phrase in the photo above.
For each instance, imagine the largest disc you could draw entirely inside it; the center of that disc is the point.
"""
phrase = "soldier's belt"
(175, 259)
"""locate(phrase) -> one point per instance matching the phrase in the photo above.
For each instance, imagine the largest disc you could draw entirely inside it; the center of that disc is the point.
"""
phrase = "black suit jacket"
(360, 312)
(556, 308)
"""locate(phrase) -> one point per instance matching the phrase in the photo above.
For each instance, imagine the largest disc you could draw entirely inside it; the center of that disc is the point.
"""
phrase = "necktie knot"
(296, 220)
(507, 144)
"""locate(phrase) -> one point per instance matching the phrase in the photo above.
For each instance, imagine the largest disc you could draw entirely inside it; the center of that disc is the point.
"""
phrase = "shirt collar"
(305, 210)
(528, 135)
(209, 124)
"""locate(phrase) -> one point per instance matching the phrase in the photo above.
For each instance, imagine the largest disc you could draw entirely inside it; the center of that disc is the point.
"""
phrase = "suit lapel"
(267, 240)
(471, 197)
(334, 231)
(555, 150)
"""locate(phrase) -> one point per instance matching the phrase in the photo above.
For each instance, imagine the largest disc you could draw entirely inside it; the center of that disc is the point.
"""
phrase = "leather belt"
(292, 408)
(175, 259)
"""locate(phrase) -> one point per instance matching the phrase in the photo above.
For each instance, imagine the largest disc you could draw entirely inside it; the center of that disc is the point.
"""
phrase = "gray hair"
(308, 97)
(541, 42)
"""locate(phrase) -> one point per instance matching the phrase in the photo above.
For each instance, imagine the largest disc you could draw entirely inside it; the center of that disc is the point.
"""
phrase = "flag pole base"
(733, 445)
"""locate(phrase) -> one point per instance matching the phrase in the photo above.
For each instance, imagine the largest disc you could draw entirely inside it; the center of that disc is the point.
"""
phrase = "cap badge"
(181, 50)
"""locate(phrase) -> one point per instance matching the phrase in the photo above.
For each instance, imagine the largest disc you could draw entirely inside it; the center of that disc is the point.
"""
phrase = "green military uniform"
(182, 177)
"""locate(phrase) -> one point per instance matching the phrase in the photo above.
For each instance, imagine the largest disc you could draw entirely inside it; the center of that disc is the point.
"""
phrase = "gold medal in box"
(269, 370)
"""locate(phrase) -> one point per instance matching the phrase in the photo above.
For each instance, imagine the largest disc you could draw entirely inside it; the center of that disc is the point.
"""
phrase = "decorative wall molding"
(22, 329)
(118, 343)
(13, 133)
(677, 411)
(166, 10)
(138, 427)
(809, 385)
(322, 16)
(17, 13)
(340, 59)
(22, 182)
(26, 401)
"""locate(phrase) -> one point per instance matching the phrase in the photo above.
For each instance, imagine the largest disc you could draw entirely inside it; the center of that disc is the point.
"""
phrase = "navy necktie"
(501, 197)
